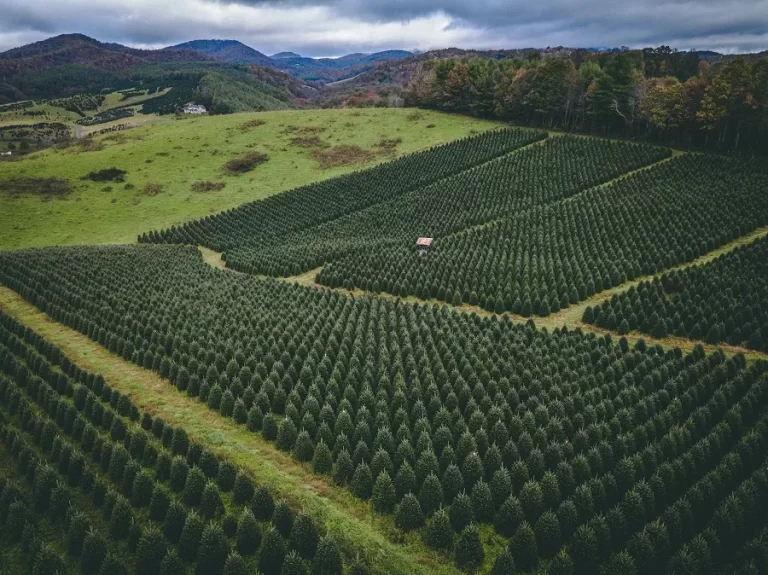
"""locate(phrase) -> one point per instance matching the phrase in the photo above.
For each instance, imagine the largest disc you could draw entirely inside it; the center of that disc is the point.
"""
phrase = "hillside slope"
(225, 50)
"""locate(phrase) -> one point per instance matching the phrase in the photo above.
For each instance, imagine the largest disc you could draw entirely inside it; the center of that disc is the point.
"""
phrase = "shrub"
(409, 515)
(245, 163)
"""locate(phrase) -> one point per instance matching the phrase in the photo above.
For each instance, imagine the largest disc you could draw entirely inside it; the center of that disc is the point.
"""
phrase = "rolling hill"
(226, 50)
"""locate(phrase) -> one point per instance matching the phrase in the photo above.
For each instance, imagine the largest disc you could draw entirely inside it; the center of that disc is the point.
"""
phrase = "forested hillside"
(655, 94)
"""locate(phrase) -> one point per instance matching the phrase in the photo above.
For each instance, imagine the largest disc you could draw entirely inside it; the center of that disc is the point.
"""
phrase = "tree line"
(655, 94)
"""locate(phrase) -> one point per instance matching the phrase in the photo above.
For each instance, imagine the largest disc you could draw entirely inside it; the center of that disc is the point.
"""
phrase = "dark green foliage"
(142, 490)
(236, 565)
(384, 497)
(175, 520)
(461, 512)
(482, 502)
(179, 474)
(94, 551)
(229, 525)
(509, 516)
(294, 565)
(469, 548)
(548, 537)
(405, 480)
(226, 476)
(210, 503)
(213, 551)
(286, 434)
(328, 558)
(150, 552)
(263, 504)
(303, 449)
(523, 547)
(76, 532)
(362, 481)
(504, 564)
(561, 564)
(248, 533)
(194, 487)
(113, 565)
(584, 549)
(48, 561)
(283, 518)
(190, 537)
(272, 552)
(322, 460)
(304, 536)
(439, 533)
(452, 482)
(409, 515)
(172, 564)
(342, 474)
(243, 490)
(431, 494)
(159, 503)
(120, 519)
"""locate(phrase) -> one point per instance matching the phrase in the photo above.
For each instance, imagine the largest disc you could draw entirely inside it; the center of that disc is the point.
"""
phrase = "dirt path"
(349, 519)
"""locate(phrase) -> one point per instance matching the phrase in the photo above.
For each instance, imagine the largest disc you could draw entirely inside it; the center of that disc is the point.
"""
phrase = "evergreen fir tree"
(272, 552)
(461, 512)
(304, 536)
(328, 558)
(283, 518)
(439, 534)
(469, 548)
(175, 519)
(248, 533)
(322, 460)
(213, 551)
(263, 504)
(362, 481)
(523, 547)
(409, 515)
(384, 496)
(504, 564)
(190, 537)
(150, 552)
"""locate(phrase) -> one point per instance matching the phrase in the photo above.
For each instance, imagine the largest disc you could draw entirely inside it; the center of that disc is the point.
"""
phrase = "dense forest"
(656, 94)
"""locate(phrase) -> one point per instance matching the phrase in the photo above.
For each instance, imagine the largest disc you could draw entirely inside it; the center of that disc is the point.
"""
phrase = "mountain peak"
(232, 51)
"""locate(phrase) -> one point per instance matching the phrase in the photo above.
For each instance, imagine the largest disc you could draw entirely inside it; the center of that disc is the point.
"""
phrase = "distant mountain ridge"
(231, 51)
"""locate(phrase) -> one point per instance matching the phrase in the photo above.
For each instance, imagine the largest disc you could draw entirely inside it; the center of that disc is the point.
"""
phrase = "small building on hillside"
(193, 109)
(424, 244)
(8, 153)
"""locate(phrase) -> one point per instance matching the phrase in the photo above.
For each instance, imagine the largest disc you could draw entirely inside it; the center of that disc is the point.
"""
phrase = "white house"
(8, 153)
(191, 108)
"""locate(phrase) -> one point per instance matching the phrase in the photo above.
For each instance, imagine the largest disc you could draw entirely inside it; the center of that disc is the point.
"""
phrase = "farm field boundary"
(350, 520)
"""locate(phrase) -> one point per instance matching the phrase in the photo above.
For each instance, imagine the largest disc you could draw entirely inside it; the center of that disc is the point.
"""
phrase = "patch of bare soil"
(252, 124)
(203, 187)
(342, 155)
(245, 163)
(43, 187)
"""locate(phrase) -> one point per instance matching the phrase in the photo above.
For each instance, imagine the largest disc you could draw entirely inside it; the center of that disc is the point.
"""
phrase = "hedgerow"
(602, 442)
(725, 300)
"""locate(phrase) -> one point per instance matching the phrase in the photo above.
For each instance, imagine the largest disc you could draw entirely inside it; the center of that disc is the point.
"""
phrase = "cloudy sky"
(335, 27)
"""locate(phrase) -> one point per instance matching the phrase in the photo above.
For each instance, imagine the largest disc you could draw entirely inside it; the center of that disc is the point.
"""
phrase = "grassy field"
(175, 154)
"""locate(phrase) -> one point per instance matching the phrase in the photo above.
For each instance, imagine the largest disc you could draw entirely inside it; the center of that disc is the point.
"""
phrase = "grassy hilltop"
(167, 160)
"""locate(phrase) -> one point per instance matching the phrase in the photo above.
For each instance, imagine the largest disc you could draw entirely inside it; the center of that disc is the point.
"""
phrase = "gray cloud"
(333, 27)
